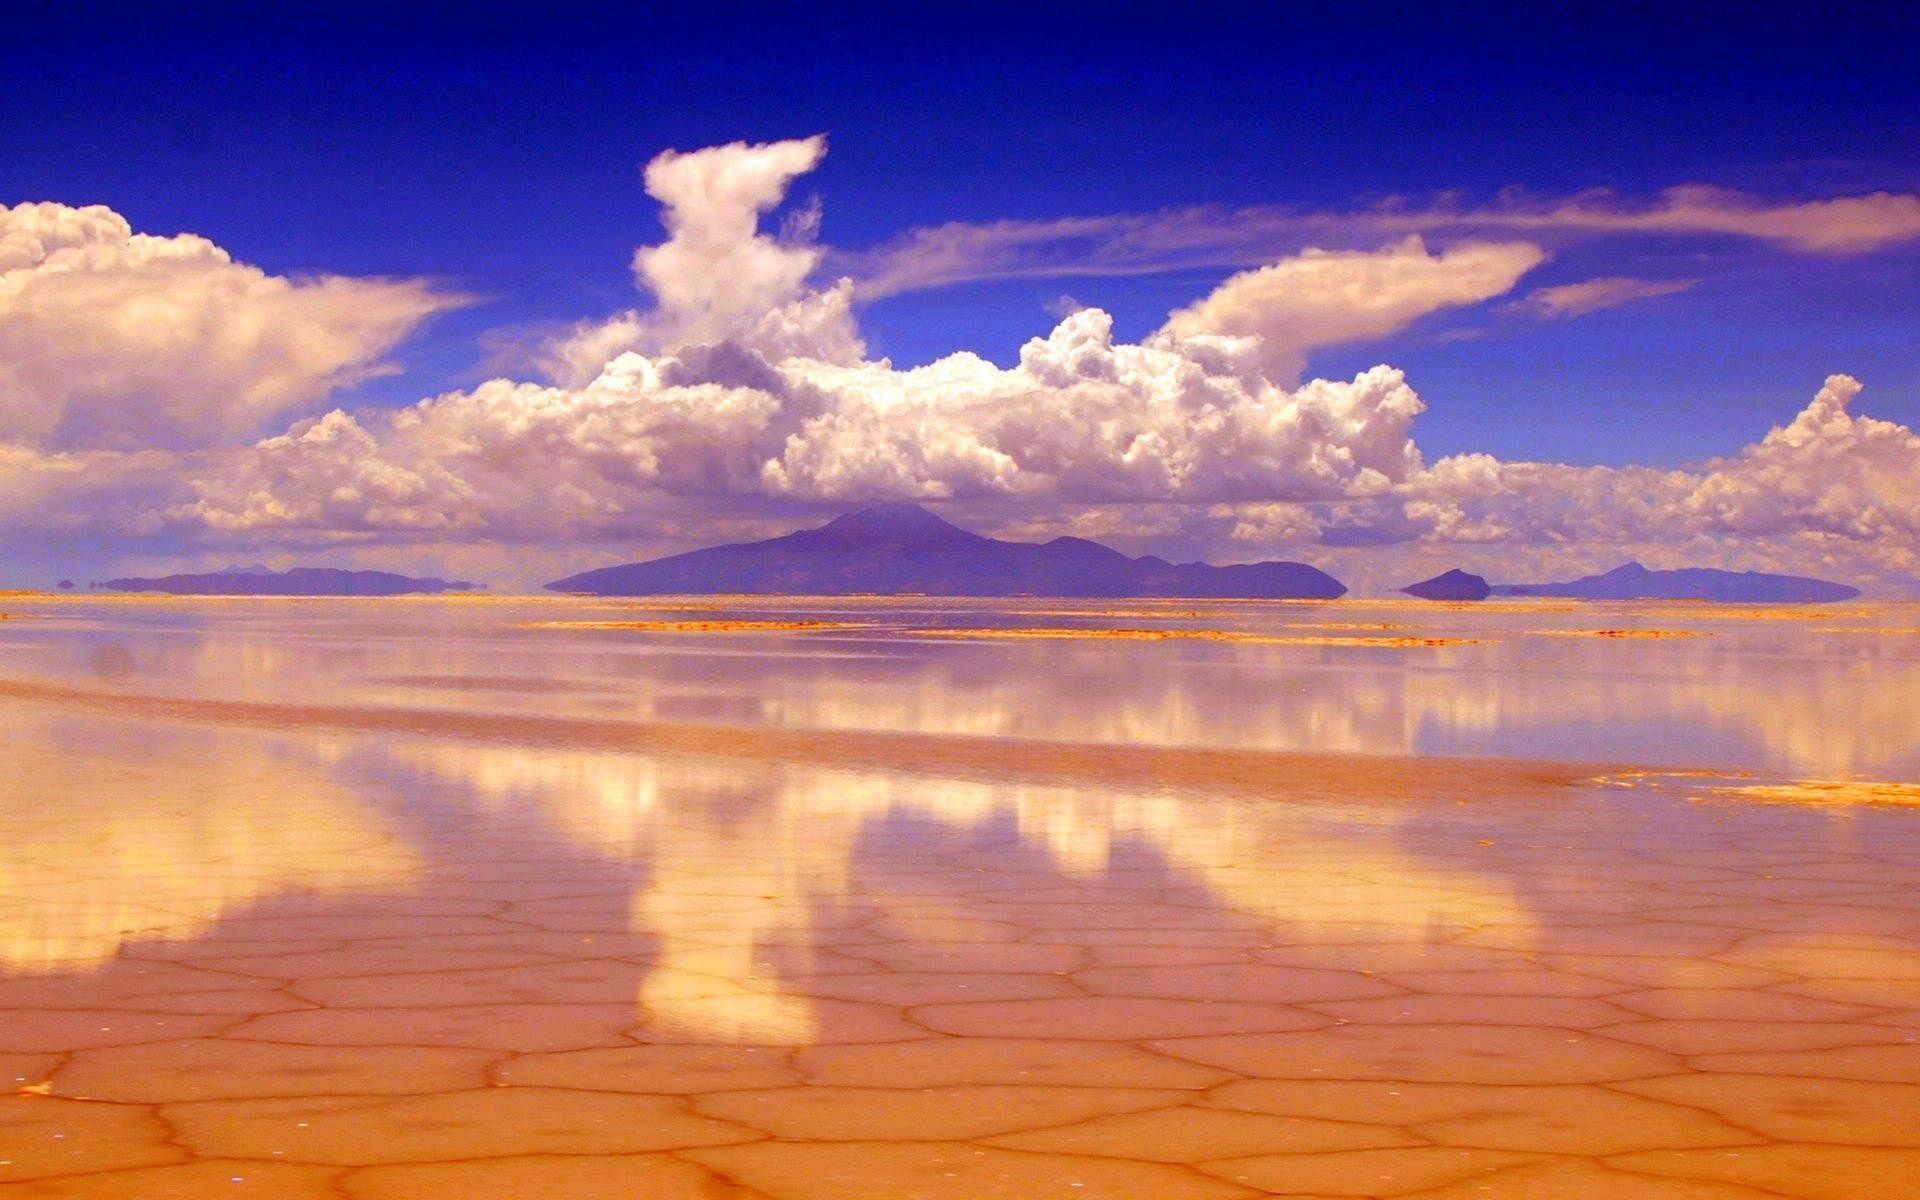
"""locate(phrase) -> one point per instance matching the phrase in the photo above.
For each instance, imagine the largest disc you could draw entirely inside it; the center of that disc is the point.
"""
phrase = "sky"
(510, 293)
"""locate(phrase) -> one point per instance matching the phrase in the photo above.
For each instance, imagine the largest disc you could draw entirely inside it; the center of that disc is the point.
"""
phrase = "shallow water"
(410, 898)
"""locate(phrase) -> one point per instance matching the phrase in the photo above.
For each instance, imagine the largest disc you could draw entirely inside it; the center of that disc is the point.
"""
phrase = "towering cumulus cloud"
(717, 277)
(741, 392)
(743, 380)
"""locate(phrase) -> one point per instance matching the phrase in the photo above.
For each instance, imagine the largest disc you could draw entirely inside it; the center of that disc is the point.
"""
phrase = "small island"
(296, 581)
(1632, 581)
(1450, 585)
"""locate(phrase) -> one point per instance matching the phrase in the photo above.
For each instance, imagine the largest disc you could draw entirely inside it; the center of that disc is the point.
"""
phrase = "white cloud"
(743, 382)
(1827, 489)
(742, 402)
(1827, 471)
(1839, 225)
(717, 277)
(1591, 295)
(32, 483)
(1323, 297)
(63, 495)
(716, 274)
(116, 339)
(1080, 418)
(330, 476)
(1272, 524)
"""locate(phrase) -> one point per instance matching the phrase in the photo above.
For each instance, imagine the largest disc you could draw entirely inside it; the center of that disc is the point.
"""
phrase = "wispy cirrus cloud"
(1211, 236)
(1591, 295)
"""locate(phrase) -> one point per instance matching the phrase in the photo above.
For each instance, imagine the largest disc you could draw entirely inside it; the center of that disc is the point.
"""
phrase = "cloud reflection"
(743, 861)
(155, 834)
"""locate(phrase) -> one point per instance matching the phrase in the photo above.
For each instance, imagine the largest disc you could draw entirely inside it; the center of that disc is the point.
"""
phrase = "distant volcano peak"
(898, 517)
(898, 525)
(903, 548)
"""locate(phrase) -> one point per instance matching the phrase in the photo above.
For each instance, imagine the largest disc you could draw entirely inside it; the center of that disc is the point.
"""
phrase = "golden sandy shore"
(265, 934)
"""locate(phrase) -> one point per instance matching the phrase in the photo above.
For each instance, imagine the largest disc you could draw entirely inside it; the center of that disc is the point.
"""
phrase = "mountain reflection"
(1826, 695)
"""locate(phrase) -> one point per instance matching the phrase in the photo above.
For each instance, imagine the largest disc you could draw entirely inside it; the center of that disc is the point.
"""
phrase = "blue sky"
(499, 152)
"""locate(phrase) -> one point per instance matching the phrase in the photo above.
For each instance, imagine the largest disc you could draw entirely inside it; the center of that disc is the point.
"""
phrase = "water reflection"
(543, 958)
(111, 834)
(739, 869)
(1826, 695)
(747, 867)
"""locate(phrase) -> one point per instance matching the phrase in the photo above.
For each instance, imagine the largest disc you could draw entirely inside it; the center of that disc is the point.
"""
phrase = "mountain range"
(904, 549)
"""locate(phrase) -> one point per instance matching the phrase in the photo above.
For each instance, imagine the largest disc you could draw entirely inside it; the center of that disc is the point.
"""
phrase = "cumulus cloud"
(1591, 295)
(1083, 417)
(1271, 524)
(1323, 298)
(57, 497)
(741, 401)
(1201, 236)
(116, 339)
(1827, 471)
(1080, 418)
(743, 380)
(1829, 488)
(32, 482)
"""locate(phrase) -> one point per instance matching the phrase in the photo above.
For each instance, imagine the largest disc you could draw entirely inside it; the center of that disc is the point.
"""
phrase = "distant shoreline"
(673, 600)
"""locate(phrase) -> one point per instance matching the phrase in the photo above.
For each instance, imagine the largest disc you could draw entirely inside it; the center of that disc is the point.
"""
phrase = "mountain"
(300, 581)
(1635, 582)
(1451, 585)
(903, 548)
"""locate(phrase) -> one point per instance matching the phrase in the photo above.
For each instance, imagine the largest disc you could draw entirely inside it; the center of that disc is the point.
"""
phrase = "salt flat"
(896, 898)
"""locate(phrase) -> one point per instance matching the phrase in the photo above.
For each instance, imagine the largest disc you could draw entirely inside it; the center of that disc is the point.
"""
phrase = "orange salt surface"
(262, 933)
(1875, 629)
(1348, 625)
(1624, 633)
(1706, 610)
(1825, 792)
(1131, 614)
(1746, 787)
(1198, 635)
(699, 626)
(1507, 605)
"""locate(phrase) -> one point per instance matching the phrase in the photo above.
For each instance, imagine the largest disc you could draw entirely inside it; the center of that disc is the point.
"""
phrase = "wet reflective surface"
(408, 898)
